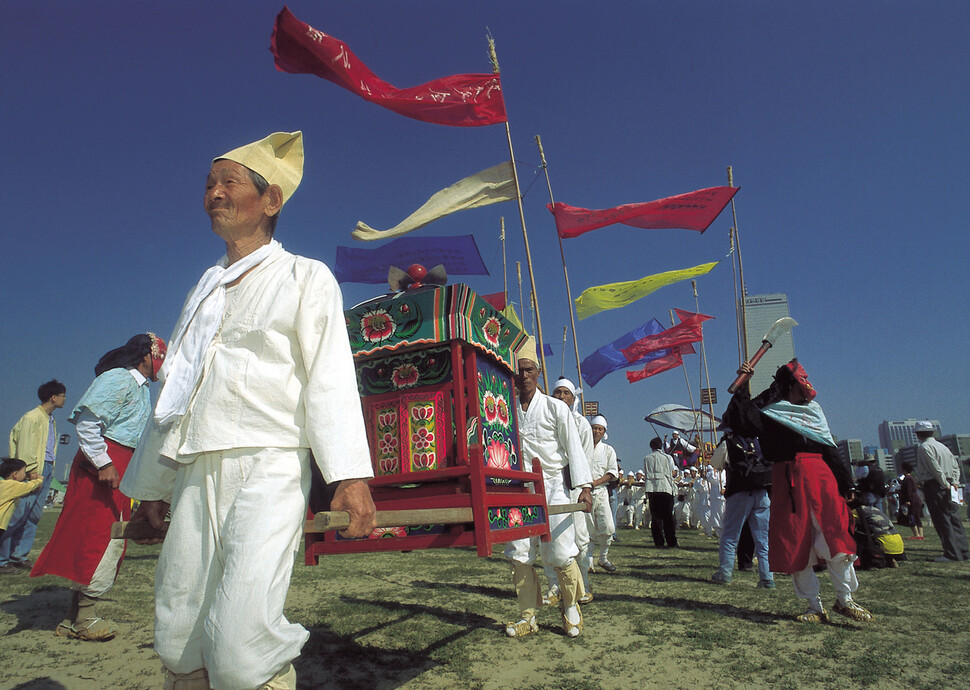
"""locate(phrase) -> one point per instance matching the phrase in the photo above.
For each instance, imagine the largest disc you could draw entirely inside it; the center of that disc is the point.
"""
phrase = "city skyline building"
(851, 450)
(883, 458)
(760, 312)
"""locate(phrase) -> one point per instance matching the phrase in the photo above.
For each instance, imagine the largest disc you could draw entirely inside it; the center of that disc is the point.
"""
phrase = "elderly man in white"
(600, 521)
(567, 392)
(258, 374)
(638, 497)
(547, 431)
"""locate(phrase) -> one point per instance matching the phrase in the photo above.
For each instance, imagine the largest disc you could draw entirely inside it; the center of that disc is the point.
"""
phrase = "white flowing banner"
(490, 186)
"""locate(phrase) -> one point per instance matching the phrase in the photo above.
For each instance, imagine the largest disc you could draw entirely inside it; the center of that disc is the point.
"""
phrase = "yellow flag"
(615, 295)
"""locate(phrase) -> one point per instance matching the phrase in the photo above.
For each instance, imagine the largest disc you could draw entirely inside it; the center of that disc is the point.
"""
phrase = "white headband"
(600, 420)
(563, 382)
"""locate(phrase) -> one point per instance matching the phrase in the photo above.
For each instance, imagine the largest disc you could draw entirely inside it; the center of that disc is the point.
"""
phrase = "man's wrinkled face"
(599, 432)
(231, 199)
(564, 395)
(527, 377)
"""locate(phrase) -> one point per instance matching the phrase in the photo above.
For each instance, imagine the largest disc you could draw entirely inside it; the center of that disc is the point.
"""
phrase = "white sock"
(572, 615)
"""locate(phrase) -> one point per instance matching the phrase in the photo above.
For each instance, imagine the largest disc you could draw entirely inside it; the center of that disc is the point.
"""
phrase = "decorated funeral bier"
(434, 369)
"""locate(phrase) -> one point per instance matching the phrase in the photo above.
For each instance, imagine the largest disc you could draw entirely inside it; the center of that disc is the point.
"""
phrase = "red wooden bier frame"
(439, 411)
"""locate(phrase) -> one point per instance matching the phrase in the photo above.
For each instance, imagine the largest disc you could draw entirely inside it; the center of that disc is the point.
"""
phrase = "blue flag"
(547, 349)
(609, 358)
(459, 255)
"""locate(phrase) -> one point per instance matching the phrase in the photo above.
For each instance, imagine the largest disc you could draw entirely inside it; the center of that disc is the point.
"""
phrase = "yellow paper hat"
(278, 158)
(528, 350)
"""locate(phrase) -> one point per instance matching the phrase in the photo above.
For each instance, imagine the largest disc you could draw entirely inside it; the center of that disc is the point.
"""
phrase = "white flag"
(487, 187)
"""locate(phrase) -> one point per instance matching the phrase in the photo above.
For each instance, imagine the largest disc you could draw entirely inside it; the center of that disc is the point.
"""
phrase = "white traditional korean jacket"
(279, 374)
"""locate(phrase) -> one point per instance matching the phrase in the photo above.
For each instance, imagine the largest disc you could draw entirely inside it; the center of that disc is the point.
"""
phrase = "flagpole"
(707, 373)
(565, 275)
(562, 368)
(737, 312)
(505, 269)
(744, 292)
(525, 233)
(690, 396)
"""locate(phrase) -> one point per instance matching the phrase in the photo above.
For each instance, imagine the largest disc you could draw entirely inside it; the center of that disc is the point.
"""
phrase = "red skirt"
(83, 530)
(800, 489)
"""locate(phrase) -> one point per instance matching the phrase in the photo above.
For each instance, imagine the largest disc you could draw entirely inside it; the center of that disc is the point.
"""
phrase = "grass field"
(433, 619)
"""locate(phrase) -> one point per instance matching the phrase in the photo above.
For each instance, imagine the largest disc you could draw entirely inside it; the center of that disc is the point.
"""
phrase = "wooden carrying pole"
(329, 521)
(525, 233)
(565, 275)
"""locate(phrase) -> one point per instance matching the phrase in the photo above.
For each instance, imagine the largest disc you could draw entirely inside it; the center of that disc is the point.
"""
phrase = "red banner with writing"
(691, 211)
(461, 100)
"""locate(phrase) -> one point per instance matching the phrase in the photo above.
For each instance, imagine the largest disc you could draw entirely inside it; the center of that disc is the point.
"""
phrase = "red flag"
(691, 211)
(461, 100)
(687, 331)
(685, 315)
(496, 300)
(655, 366)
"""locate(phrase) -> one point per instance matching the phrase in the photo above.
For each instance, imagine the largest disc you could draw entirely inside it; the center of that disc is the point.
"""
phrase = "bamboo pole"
(562, 367)
(737, 309)
(737, 242)
(525, 233)
(683, 366)
(518, 271)
(565, 275)
(707, 373)
(505, 269)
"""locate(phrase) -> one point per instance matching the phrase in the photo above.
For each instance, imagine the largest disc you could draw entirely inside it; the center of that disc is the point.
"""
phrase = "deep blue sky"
(845, 124)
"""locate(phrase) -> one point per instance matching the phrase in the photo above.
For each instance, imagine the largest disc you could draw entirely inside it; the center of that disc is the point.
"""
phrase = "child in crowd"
(13, 471)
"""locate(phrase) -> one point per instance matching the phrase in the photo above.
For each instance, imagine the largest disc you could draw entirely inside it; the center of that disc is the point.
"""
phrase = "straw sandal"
(89, 630)
(522, 627)
(852, 610)
(551, 597)
(585, 599)
(813, 616)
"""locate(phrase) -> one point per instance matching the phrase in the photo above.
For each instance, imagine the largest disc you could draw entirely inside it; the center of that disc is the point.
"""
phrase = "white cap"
(639, 471)
(923, 426)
